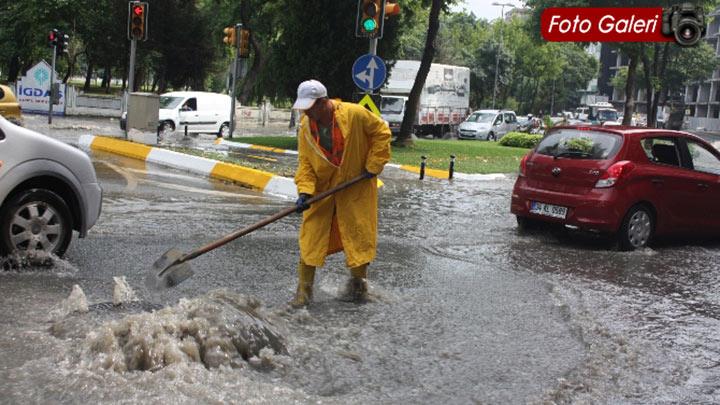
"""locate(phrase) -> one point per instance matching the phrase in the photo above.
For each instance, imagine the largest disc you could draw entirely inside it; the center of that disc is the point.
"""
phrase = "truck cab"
(392, 109)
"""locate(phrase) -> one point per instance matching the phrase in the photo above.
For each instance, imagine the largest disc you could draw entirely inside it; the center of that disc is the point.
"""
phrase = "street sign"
(370, 104)
(369, 72)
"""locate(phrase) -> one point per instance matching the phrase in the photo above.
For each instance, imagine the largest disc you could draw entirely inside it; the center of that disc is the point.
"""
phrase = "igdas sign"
(35, 92)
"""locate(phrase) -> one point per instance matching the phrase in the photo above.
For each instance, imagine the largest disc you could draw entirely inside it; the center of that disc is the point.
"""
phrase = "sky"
(484, 8)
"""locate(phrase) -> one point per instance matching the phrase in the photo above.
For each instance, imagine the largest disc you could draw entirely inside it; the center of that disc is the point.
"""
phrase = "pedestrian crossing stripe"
(368, 103)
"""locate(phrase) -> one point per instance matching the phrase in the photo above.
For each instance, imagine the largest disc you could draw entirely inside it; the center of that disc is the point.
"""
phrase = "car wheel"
(637, 228)
(224, 131)
(491, 136)
(35, 220)
(525, 224)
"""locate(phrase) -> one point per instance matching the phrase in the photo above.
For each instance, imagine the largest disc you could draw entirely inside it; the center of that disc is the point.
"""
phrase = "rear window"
(573, 143)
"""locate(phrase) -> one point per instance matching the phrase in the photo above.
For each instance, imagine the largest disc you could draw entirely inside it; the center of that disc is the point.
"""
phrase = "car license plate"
(548, 210)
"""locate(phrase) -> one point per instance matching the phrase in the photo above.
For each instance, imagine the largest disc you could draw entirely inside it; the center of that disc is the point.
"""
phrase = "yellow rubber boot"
(306, 278)
(357, 287)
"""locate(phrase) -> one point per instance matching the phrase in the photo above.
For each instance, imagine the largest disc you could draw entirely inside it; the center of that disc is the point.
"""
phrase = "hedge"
(520, 140)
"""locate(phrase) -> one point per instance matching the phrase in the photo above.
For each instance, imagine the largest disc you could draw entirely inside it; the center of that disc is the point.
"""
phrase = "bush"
(520, 140)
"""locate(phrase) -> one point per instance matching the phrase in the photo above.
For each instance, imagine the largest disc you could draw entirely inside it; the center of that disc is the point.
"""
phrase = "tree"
(411, 107)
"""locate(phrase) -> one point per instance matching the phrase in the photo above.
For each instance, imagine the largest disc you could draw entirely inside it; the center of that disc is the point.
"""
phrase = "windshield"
(392, 105)
(481, 117)
(607, 115)
(169, 103)
(573, 143)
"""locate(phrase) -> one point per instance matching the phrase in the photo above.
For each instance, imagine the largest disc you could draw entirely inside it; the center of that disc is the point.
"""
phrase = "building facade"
(702, 99)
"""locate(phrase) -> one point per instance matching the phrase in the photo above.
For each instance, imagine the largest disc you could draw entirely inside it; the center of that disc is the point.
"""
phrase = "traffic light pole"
(52, 80)
(232, 94)
(131, 81)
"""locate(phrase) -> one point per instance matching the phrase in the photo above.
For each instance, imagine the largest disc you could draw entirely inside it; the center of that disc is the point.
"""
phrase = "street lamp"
(497, 54)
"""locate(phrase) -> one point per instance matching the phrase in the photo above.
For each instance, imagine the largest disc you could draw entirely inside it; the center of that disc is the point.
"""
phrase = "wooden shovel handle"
(287, 211)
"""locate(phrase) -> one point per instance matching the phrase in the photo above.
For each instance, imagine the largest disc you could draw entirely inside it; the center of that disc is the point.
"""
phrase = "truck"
(444, 101)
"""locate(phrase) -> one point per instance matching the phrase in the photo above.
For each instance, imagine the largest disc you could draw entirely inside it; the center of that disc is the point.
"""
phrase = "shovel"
(172, 268)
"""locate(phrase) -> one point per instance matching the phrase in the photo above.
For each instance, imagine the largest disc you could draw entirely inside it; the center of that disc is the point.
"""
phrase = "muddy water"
(464, 309)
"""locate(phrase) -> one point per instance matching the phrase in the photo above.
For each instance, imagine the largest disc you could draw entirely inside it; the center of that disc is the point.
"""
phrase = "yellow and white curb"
(266, 182)
(239, 145)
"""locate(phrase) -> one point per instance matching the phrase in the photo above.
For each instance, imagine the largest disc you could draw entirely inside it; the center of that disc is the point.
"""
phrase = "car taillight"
(523, 165)
(614, 173)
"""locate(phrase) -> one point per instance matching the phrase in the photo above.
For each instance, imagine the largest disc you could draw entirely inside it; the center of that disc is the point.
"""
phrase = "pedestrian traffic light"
(370, 18)
(243, 43)
(137, 20)
(229, 38)
(53, 38)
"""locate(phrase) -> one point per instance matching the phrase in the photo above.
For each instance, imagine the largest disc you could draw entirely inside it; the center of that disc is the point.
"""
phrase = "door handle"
(657, 181)
(703, 186)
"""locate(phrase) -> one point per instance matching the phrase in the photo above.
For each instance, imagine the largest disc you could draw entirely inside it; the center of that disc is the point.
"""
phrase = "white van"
(201, 112)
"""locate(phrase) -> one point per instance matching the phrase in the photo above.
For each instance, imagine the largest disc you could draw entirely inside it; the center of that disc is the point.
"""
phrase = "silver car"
(47, 190)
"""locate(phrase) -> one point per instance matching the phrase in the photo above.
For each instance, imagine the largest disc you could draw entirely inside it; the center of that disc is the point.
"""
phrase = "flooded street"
(464, 308)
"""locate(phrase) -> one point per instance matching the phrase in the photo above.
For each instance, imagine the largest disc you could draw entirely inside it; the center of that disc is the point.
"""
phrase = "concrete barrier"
(265, 182)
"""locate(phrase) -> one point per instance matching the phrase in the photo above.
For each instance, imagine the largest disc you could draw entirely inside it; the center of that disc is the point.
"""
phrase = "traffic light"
(53, 38)
(391, 8)
(229, 38)
(370, 18)
(137, 20)
(243, 43)
(62, 42)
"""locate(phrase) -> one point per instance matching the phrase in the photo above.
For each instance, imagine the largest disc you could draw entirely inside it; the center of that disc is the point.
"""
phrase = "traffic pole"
(131, 83)
(52, 80)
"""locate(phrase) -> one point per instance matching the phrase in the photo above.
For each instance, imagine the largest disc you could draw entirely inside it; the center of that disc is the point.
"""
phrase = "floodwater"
(464, 309)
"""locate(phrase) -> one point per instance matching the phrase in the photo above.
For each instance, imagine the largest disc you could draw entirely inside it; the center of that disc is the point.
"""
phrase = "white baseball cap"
(308, 92)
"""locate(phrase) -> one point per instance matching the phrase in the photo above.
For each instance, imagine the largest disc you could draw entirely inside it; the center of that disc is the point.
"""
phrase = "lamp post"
(497, 54)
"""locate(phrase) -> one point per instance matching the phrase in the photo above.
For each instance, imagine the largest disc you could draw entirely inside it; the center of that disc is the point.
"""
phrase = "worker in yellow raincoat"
(337, 142)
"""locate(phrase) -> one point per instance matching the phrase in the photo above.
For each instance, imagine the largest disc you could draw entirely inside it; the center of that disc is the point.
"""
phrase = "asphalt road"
(464, 308)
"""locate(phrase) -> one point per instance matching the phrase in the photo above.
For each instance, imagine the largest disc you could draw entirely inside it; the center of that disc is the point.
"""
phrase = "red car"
(635, 183)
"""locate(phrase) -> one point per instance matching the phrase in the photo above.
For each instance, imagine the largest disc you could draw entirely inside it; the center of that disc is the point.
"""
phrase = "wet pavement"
(464, 310)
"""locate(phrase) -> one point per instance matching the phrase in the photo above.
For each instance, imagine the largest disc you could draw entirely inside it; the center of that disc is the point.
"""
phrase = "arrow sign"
(369, 72)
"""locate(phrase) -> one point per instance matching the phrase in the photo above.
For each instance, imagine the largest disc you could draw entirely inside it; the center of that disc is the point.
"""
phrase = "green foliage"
(520, 140)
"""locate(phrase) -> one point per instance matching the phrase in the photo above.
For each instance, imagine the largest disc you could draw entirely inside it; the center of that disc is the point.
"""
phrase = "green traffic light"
(369, 25)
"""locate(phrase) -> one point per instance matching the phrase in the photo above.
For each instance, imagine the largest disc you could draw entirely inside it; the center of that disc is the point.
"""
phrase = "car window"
(498, 120)
(702, 159)
(510, 118)
(580, 144)
(661, 150)
(190, 105)
(169, 103)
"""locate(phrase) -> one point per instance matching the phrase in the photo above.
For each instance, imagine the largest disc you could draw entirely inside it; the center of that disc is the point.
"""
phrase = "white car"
(47, 190)
(489, 125)
(200, 112)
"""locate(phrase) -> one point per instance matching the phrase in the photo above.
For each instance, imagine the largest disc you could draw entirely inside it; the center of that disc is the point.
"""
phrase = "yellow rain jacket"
(354, 210)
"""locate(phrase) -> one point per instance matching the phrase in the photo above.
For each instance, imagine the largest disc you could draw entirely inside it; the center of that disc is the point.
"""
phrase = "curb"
(266, 182)
(239, 145)
(435, 173)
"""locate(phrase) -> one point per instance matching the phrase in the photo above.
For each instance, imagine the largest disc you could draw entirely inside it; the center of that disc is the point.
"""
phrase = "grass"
(470, 156)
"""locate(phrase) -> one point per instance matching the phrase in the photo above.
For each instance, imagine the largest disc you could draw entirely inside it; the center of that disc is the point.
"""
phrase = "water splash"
(219, 329)
(122, 292)
(76, 302)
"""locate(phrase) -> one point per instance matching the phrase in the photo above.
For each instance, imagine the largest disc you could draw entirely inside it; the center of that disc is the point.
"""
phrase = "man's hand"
(367, 174)
(301, 203)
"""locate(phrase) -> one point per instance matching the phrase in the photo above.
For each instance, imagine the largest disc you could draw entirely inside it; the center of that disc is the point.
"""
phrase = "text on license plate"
(549, 210)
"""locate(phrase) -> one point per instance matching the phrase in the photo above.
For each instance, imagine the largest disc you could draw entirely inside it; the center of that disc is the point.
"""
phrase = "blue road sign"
(369, 72)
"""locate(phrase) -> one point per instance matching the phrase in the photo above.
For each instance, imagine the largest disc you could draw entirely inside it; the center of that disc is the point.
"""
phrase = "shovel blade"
(166, 272)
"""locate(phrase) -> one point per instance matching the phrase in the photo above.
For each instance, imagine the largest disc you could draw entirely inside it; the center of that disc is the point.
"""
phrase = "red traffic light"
(138, 10)
(51, 36)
